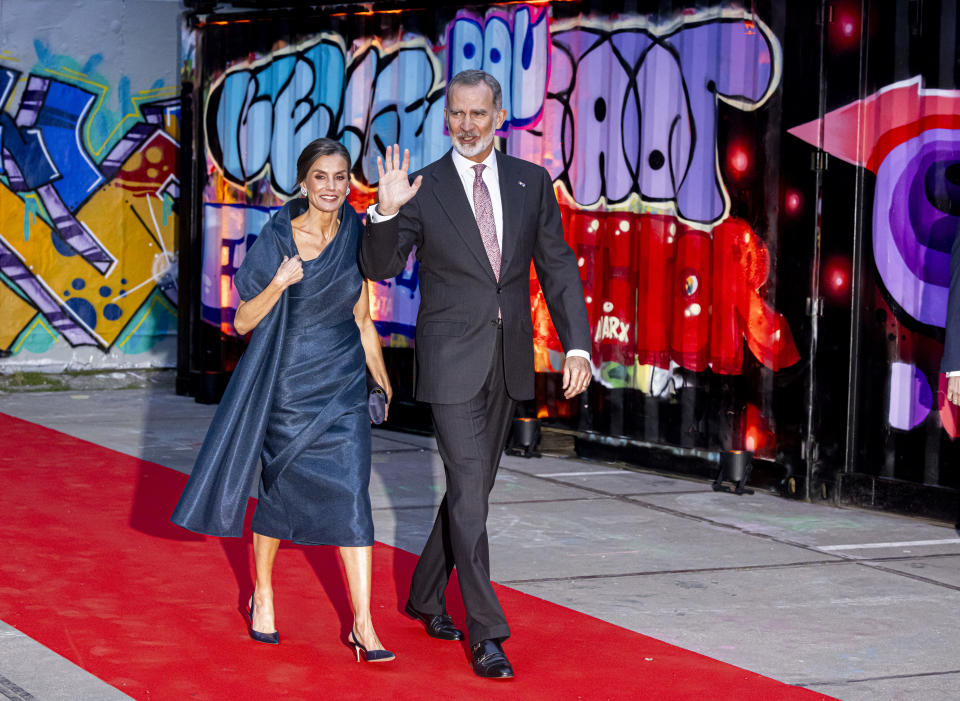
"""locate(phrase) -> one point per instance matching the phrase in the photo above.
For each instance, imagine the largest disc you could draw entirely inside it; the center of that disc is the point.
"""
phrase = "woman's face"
(327, 182)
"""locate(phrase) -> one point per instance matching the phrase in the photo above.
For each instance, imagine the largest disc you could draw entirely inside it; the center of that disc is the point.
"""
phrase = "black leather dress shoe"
(490, 662)
(438, 626)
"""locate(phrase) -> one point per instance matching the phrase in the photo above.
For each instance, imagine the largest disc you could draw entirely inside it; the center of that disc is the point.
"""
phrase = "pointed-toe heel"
(268, 638)
(370, 655)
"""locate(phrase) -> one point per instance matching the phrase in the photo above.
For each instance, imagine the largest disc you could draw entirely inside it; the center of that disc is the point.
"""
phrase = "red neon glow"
(836, 278)
(758, 438)
(844, 30)
(738, 160)
(839, 280)
(792, 202)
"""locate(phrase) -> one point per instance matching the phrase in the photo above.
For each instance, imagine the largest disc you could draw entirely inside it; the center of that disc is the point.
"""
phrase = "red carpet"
(94, 570)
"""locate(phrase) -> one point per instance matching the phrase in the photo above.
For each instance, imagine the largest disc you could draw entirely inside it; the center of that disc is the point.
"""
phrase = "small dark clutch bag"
(377, 402)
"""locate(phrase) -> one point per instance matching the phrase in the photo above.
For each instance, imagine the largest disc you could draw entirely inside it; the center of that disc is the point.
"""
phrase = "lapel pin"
(521, 183)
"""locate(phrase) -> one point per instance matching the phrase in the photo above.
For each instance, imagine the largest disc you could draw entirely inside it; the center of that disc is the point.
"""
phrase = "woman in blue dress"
(298, 397)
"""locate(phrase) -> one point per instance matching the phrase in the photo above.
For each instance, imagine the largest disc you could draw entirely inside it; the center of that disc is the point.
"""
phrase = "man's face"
(472, 120)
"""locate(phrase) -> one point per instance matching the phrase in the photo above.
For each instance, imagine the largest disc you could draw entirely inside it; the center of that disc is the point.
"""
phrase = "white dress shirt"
(491, 178)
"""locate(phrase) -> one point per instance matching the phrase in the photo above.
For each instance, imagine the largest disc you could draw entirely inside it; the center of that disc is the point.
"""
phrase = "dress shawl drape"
(214, 500)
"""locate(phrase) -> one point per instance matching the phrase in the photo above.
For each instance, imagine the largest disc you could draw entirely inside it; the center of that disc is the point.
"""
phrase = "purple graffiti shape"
(910, 396)
(601, 94)
(514, 47)
(722, 59)
(546, 144)
(63, 319)
(531, 66)
(912, 235)
(498, 54)
(666, 131)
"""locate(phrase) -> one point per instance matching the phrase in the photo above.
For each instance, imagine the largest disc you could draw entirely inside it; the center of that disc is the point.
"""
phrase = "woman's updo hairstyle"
(316, 149)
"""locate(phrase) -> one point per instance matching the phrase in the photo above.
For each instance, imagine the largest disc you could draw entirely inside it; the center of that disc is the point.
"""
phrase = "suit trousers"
(471, 437)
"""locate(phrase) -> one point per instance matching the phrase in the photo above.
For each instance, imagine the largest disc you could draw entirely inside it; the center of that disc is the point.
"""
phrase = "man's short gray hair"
(475, 77)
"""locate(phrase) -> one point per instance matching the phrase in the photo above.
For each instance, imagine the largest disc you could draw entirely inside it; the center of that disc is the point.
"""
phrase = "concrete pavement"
(855, 604)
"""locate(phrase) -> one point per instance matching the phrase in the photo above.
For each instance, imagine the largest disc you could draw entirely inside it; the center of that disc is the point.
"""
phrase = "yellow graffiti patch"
(130, 228)
(16, 314)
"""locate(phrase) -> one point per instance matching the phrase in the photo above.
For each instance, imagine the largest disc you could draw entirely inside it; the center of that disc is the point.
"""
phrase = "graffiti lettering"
(648, 126)
(911, 138)
(646, 129)
(620, 113)
(611, 327)
(85, 248)
(265, 113)
(514, 49)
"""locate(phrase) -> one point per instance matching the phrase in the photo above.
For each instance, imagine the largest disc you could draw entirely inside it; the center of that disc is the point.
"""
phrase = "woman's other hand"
(385, 383)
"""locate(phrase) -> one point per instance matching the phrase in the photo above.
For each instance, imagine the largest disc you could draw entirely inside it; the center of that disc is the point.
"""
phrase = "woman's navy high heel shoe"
(370, 655)
(268, 638)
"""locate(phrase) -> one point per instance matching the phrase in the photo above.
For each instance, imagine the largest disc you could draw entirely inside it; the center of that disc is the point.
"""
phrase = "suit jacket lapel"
(448, 189)
(512, 199)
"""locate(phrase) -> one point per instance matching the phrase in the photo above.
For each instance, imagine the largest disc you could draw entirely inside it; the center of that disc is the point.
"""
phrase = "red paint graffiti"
(658, 291)
(152, 168)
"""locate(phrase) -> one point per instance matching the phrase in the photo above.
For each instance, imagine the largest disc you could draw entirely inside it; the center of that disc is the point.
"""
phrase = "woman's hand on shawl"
(251, 313)
(394, 188)
(289, 273)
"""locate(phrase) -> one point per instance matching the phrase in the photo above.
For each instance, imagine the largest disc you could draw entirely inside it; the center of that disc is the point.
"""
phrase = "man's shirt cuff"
(577, 353)
(374, 216)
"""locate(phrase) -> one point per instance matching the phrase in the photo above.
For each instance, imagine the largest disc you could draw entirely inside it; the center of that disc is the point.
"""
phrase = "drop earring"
(303, 191)
(347, 192)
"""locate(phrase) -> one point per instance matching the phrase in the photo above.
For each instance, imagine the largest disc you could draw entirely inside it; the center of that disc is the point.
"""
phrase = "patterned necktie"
(483, 211)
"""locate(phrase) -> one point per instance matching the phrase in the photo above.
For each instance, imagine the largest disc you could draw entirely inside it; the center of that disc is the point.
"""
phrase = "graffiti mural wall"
(89, 180)
(911, 141)
(764, 247)
(892, 131)
(626, 116)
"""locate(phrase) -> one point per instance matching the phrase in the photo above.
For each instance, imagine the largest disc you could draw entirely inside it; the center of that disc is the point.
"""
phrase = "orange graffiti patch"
(151, 168)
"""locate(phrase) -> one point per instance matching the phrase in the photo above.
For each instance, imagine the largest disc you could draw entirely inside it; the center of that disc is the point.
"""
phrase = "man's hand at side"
(576, 375)
(953, 389)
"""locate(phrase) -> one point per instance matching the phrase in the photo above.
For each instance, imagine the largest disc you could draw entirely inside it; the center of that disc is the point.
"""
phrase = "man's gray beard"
(481, 146)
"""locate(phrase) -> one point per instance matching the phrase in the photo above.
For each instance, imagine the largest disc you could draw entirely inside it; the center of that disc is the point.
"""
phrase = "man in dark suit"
(477, 218)
(950, 362)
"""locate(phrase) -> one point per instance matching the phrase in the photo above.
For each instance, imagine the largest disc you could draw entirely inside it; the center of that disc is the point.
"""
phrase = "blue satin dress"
(296, 403)
(316, 449)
